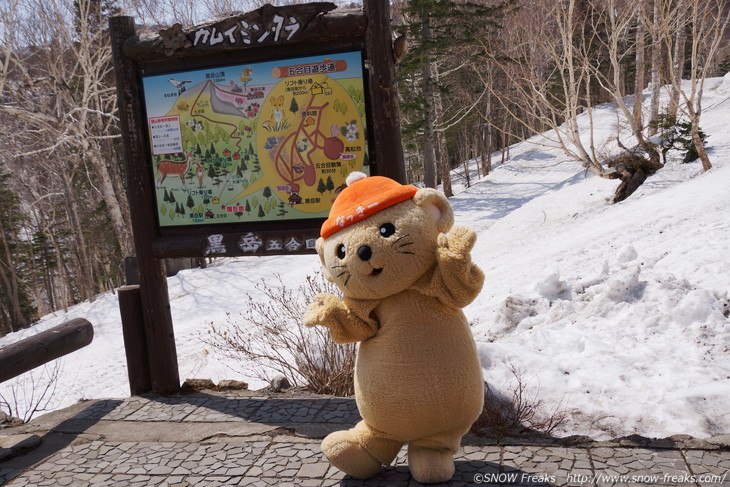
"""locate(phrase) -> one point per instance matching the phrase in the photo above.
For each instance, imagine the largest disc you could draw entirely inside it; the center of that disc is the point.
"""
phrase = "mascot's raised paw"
(404, 273)
(319, 312)
(458, 242)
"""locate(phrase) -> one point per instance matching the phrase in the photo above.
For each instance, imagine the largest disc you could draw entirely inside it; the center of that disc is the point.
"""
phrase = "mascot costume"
(405, 274)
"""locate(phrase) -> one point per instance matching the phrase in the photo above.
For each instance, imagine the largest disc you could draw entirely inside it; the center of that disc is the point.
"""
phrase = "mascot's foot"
(347, 451)
(344, 452)
(430, 466)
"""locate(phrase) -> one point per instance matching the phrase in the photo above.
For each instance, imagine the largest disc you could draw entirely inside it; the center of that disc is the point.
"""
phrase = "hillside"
(619, 312)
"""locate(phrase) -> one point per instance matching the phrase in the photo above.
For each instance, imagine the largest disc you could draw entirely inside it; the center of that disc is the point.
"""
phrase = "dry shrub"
(271, 336)
(31, 393)
(518, 413)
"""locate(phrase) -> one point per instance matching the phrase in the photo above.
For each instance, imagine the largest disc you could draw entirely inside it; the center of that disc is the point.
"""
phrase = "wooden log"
(48, 345)
(135, 344)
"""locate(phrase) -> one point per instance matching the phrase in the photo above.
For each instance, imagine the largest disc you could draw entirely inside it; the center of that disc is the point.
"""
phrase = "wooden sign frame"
(267, 33)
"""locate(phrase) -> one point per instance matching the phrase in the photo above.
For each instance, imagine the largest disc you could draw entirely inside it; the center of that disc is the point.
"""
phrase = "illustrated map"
(272, 140)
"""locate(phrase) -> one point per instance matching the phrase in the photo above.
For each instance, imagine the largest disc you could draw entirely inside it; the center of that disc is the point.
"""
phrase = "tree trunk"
(112, 200)
(10, 282)
(83, 264)
(697, 141)
(677, 70)
(639, 81)
(656, 66)
(429, 152)
(486, 139)
(442, 151)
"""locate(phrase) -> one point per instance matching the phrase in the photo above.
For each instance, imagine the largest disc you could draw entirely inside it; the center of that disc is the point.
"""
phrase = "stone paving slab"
(274, 451)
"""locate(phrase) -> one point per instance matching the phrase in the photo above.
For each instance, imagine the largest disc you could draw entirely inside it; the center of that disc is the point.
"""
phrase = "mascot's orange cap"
(363, 197)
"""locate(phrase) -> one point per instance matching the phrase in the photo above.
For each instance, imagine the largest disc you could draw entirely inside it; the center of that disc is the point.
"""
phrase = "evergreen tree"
(293, 107)
(261, 212)
(248, 207)
(321, 187)
(92, 17)
(330, 183)
(440, 30)
(16, 310)
(190, 203)
(267, 192)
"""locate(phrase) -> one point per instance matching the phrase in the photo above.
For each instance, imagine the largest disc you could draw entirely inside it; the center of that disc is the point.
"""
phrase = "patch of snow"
(619, 312)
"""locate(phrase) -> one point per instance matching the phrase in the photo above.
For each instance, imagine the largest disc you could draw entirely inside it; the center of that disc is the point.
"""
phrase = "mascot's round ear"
(436, 204)
(320, 250)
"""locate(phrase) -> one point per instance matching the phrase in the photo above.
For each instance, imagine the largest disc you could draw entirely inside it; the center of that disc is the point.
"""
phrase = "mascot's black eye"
(341, 252)
(387, 229)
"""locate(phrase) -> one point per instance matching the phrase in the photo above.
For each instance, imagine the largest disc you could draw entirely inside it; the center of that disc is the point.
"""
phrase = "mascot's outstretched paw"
(344, 451)
(430, 466)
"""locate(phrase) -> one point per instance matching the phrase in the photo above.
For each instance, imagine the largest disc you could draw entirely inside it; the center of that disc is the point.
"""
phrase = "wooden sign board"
(247, 127)
(237, 135)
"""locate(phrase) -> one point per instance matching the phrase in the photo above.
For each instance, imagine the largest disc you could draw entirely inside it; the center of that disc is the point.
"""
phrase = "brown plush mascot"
(405, 274)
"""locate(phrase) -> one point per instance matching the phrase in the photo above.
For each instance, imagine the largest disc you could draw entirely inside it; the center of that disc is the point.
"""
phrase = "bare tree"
(549, 84)
(559, 54)
(705, 21)
(76, 110)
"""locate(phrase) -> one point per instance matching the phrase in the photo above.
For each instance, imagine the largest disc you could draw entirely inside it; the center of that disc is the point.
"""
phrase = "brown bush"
(517, 413)
(271, 336)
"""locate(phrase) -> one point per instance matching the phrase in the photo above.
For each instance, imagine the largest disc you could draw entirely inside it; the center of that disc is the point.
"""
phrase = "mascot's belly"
(420, 375)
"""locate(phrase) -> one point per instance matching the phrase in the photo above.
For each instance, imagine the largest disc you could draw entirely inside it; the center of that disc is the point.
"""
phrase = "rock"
(680, 438)
(232, 385)
(723, 441)
(634, 440)
(7, 421)
(576, 440)
(279, 383)
(195, 385)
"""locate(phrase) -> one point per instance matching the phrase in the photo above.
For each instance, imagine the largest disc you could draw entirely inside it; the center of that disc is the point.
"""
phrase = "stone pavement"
(239, 438)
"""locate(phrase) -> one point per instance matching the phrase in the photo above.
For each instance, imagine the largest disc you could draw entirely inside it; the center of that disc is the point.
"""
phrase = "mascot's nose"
(364, 252)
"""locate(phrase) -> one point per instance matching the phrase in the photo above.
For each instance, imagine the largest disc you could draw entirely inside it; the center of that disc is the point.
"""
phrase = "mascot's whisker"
(406, 244)
(406, 252)
(401, 238)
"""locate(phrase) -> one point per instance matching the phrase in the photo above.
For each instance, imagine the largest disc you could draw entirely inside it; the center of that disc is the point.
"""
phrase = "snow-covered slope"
(619, 311)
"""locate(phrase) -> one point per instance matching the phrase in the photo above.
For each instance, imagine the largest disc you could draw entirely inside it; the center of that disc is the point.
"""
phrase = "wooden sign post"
(239, 134)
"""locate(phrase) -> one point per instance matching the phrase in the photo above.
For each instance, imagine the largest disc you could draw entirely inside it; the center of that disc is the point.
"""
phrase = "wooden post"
(47, 345)
(385, 138)
(162, 355)
(135, 344)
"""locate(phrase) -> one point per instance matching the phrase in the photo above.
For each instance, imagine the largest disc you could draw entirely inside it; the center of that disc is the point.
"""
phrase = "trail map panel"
(255, 142)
